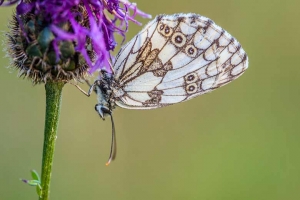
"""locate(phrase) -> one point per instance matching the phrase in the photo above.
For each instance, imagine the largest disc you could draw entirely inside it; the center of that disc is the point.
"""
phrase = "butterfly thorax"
(103, 88)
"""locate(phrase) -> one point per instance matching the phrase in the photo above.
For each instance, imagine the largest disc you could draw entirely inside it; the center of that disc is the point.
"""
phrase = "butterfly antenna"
(113, 146)
(111, 67)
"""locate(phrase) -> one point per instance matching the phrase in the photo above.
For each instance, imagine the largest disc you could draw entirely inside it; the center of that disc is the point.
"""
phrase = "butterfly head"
(103, 110)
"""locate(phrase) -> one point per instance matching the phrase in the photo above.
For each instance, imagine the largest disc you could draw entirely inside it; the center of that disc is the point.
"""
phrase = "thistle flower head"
(61, 40)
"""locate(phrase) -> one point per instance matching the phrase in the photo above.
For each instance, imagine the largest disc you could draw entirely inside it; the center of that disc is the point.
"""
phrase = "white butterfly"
(173, 59)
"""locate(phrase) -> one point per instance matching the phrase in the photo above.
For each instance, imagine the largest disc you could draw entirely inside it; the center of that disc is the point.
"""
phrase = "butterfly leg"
(90, 90)
(88, 83)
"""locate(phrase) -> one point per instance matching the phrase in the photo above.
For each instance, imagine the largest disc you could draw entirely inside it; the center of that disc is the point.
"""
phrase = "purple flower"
(65, 39)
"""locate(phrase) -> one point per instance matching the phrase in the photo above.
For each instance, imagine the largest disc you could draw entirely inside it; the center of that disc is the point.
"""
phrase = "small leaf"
(35, 175)
(39, 190)
(31, 182)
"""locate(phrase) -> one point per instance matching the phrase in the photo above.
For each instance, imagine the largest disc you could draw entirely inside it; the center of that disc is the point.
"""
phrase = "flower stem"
(53, 104)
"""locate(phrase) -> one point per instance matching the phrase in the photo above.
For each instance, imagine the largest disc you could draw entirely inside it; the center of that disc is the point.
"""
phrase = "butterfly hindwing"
(176, 58)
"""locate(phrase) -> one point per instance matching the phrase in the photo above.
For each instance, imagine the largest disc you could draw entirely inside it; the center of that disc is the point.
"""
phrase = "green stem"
(53, 104)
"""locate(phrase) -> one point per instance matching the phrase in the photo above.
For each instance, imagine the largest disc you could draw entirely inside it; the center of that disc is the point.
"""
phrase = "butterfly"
(173, 59)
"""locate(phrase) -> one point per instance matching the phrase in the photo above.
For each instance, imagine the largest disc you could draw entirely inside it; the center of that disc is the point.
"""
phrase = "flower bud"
(64, 40)
(39, 55)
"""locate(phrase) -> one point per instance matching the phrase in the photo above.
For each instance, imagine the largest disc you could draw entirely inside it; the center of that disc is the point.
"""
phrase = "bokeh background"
(238, 142)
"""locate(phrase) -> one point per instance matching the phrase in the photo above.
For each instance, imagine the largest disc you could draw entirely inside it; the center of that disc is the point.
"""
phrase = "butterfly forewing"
(173, 59)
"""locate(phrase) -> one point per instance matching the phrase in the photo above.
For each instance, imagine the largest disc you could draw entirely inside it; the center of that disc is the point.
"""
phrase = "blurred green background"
(239, 142)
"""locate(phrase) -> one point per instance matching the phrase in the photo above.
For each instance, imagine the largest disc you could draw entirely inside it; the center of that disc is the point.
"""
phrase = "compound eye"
(105, 110)
(102, 110)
